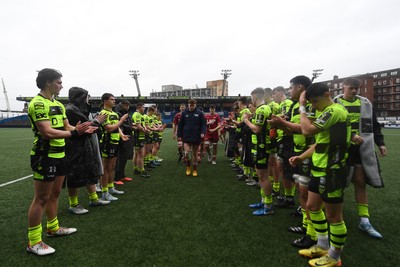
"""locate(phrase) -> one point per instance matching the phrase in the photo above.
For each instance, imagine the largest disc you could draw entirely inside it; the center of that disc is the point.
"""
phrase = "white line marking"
(17, 180)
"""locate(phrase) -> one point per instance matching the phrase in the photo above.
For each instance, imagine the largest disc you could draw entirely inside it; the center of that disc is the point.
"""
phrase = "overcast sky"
(94, 43)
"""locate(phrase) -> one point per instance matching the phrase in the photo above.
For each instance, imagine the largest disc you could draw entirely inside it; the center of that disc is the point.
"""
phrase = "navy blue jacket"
(191, 126)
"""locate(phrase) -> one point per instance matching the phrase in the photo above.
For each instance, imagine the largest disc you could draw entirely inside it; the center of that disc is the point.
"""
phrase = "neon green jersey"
(112, 118)
(240, 118)
(137, 117)
(274, 107)
(43, 109)
(284, 108)
(354, 109)
(261, 115)
(332, 143)
(301, 143)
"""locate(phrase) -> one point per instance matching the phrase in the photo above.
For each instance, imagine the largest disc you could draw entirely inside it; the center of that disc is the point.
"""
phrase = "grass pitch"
(175, 220)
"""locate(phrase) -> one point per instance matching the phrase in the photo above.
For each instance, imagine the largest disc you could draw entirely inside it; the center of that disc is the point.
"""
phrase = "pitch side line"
(17, 180)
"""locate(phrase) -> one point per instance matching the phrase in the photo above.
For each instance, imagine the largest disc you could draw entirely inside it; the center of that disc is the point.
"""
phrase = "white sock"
(323, 241)
(364, 220)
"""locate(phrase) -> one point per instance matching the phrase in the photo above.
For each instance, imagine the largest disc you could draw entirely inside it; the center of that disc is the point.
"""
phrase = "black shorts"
(331, 191)
(148, 139)
(109, 151)
(260, 157)
(247, 157)
(304, 169)
(156, 138)
(285, 152)
(354, 154)
(139, 143)
(47, 169)
(239, 137)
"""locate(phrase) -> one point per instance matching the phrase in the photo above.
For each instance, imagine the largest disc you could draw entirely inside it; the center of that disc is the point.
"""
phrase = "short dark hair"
(139, 105)
(47, 75)
(279, 89)
(259, 92)
(301, 79)
(192, 101)
(244, 100)
(353, 82)
(316, 89)
(106, 96)
(125, 102)
(268, 91)
(151, 109)
(212, 106)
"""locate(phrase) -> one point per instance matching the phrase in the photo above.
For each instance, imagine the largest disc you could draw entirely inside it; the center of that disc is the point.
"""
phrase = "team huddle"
(310, 144)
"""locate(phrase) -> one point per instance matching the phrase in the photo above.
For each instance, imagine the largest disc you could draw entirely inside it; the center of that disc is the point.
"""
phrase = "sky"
(94, 43)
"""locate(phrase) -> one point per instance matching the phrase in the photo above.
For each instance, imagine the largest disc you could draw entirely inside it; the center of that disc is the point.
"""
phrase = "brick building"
(382, 88)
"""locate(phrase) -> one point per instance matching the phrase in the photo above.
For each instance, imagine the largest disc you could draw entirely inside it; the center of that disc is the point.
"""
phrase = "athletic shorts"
(156, 138)
(139, 143)
(260, 158)
(354, 155)
(285, 152)
(148, 139)
(212, 138)
(325, 187)
(304, 168)
(109, 151)
(47, 169)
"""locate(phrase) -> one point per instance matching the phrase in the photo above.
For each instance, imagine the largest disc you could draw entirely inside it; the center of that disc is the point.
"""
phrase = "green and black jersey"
(302, 143)
(284, 108)
(43, 109)
(240, 119)
(112, 118)
(332, 142)
(137, 118)
(262, 114)
(354, 109)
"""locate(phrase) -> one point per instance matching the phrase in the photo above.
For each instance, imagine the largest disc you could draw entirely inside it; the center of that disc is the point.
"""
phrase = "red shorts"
(212, 137)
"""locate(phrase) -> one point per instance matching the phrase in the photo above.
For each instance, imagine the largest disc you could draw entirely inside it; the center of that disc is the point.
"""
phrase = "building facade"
(382, 88)
(213, 89)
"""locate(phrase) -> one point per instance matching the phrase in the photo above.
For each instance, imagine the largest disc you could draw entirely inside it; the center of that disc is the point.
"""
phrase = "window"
(393, 73)
(335, 93)
(383, 74)
(379, 105)
(398, 80)
(379, 82)
(340, 91)
(384, 106)
(335, 85)
(397, 97)
(365, 82)
(365, 89)
(340, 85)
(384, 82)
(384, 90)
(384, 98)
(375, 76)
(358, 91)
(379, 90)
(397, 105)
(397, 88)
(374, 84)
(379, 98)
